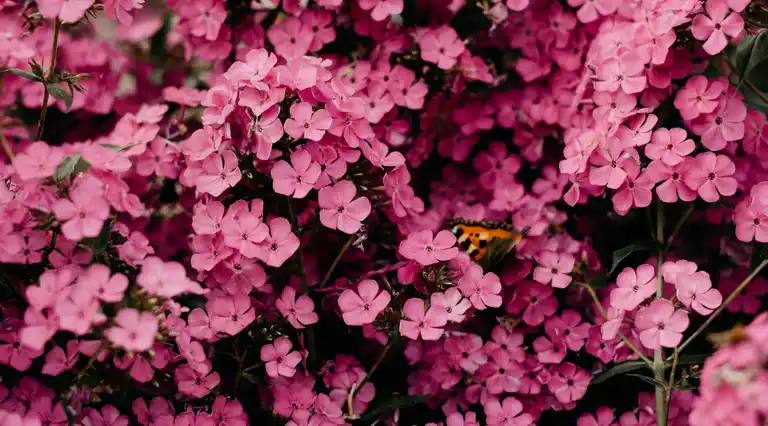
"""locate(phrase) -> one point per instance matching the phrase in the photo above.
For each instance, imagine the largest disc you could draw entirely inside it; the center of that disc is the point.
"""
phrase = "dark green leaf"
(758, 55)
(392, 402)
(599, 281)
(69, 166)
(98, 244)
(621, 254)
(25, 74)
(119, 148)
(650, 380)
(60, 93)
(617, 369)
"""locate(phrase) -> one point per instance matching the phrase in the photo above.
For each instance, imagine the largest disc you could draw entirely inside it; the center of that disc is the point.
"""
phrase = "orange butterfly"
(486, 242)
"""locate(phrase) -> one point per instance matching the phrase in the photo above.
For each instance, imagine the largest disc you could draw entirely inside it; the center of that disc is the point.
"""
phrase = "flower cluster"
(222, 213)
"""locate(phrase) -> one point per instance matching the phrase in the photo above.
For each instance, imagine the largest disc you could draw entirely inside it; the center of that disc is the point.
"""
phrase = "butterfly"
(486, 242)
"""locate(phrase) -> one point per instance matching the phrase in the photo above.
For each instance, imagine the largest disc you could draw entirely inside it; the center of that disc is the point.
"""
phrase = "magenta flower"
(83, 214)
(426, 250)
(166, 279)
(550, 349)
(299, 312)
(534, 300)
(257, 65)
(698, 96)
(13, 353)
(481, 289)
(660, 325)
(569, 383)
(452, 303)
(107, 288)
(57, 361)
(569, 327)
(363, 306)
(267, 129)
(279, 245)
(590, 10)
(609, 160)
(38, 161)
(715, 25)
(633, 287)
(725, 124)
(418, 323)
(278, 358)
(306, 123)
(193, 383)
(636, 190)
(695, 291)
(230, 314)
(219, 173)
(673, 187)
(554, 268)
(751, 223)
(669, 146)
(624, 72)
(133, 331)
(245, 231)
(69, 11)
(290, 38)
(297, 178)
(506, 413)
(441, 46)
(339, 210)
(711, 176)
(382, 9)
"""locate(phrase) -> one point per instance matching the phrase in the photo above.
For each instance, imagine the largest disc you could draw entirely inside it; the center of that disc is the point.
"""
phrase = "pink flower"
(550, 351)
(636, 190)
(382, 9)
(84, 214)
(109, 416)
(245, 231)
(633, 287)
(625, 72)
(441, 46)
(298, 178)
(290, 37)
(53, 285)
(481, 289)
(506, 413)
(304, 123)
(230, 314)
(534, 300)
(166, 279)
(15, 354)
(339, 210)
(569, 383)
(278, 358)
(299, 312)
(590, 10)
(698, 96)
(751, 223)
(133, 330)
(257, 65)
(69, 11)
(279, 245)
(715, 25)
(363, 306)
(267, 129)
(660, 325)
(673, 187)
(711, 176)
(554, 268)
(695, 291)
(451, 303)
(426, 250)
(38, 161)
(193, 383)
(669, 146)
(725, 124)
(219, 173)
(107, 288)
(418, 323)
(609, 160)
(57, 361)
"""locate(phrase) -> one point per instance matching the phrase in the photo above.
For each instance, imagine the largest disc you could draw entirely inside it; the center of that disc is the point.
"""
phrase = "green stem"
(352, 415)
(658, 354)
(671, 383)
(6, 145)
(725, 303)
(599, 305)
(48, 77)
(336, 261)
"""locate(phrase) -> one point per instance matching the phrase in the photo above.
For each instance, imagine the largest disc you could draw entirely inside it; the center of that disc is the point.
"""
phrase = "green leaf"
(621, 254)
(617, 369)
(758, 54)
(25, 74)
(69, 166)
(60, 93)
(650, 380)
(599, 281)
(98, 244)
(391, 403)
(120, 148)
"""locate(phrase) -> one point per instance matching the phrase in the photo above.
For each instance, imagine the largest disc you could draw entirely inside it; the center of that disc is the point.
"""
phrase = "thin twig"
(336, 261)
(671, 383)
(725, 303)
(658, 354)
(357, 386)
(48, 77)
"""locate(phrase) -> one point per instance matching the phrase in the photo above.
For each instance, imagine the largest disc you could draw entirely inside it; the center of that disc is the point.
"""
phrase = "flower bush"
(223, 213)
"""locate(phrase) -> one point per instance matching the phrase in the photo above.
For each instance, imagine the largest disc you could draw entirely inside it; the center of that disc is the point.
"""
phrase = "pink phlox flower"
(452, 303)
(382, 9)
(79, 310)
(467, 350)
(751, 222)
(554, 268)
(38, 161)
(379, 155)
(202, 143)
(633, 286)
(636, 190)
(673, 186)
(193, 383)
(604, 417)
(570, 327)
(711, 176)
(483, 290)
(230, 314)
(166, 279)
(68, 11)
(219, 173)
(245, 231)
(219, 102)
(698, 96)
(207, 217)
(133, 330)
(332, 166)
(57, 360)
(306, 123)
(340, 209)
(14, 354)
(590, 10)
(624, 72)
(441, 46)
(660, 325)
(715, 25)
(257, 65)
(670, 270)
(300, 311)
(418, 323)
(534, 300)
(695, 291)
(108, 416)
(637, 130)
(84, 214)
(613, 107)
(279, 245)
(669, 146)
(290, 38)
(610, 161)
(265, 131)
(362, 306)
(506, 413)
(425, 249)
(199, 325)
(279, 359)
(229, 412)
(106, 287)
(725, 124)
(568, 383)
(297, 178)
(550, 349)
(53, 285)
(496, 166)
(208, 251)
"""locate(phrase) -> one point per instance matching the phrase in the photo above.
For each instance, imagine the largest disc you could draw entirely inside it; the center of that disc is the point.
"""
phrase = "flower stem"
(658, 354)
(47, 79)
(6, 145)
(336, 261)
(599, 305)
(357, 386)
(725, 303)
